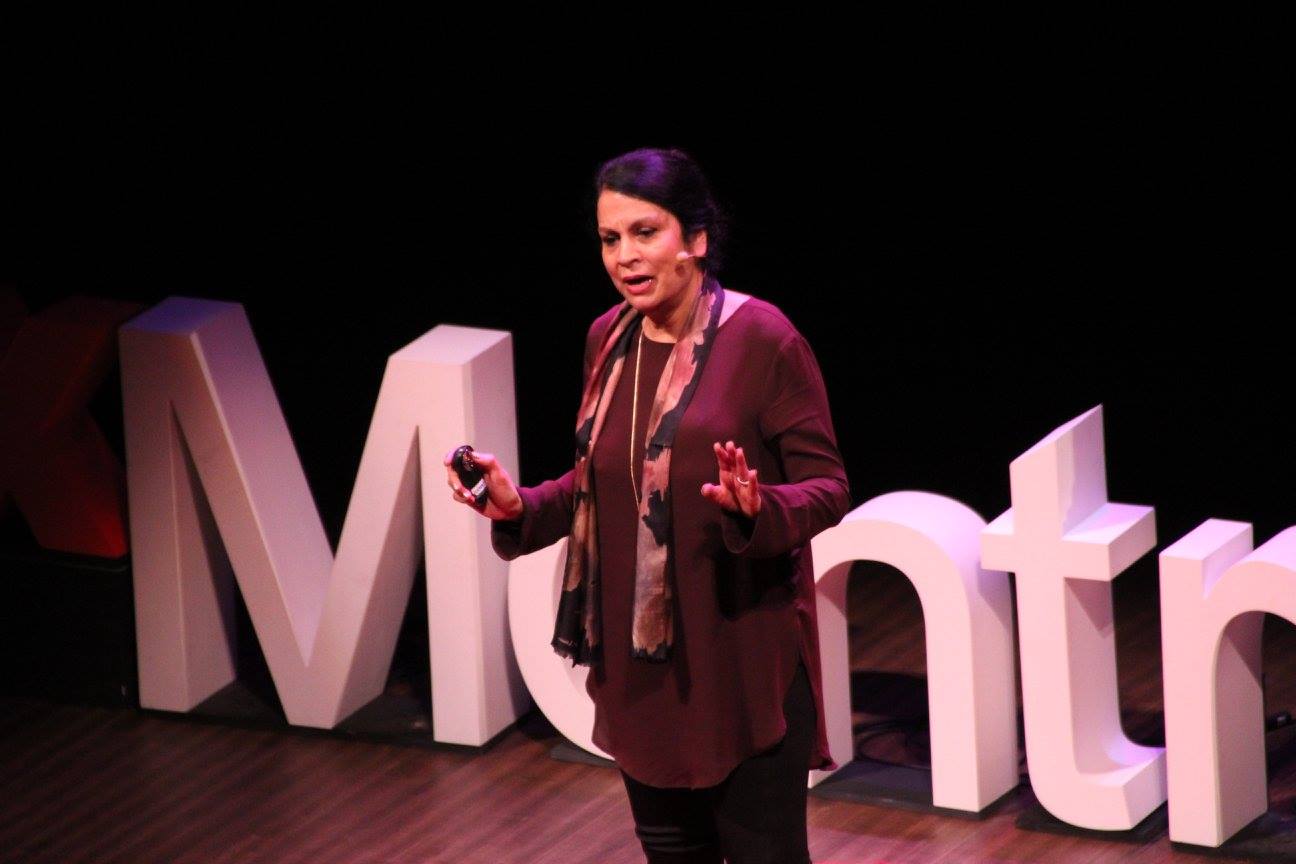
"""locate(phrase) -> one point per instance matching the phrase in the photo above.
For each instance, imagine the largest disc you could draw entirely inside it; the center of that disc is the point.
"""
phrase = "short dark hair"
(673, 181)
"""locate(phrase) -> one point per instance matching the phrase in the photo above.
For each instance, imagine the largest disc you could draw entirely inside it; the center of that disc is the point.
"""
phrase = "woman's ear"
(698, 244)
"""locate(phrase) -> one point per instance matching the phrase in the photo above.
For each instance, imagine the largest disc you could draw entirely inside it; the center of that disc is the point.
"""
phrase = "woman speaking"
(705, 462)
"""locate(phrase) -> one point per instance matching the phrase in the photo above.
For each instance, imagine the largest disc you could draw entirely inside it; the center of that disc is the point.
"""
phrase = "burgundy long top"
(744, 589)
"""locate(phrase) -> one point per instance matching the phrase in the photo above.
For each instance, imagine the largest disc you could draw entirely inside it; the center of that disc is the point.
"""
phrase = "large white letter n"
(1066, 542)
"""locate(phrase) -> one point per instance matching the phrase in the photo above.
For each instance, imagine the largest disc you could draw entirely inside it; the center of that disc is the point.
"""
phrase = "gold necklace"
(634, 417)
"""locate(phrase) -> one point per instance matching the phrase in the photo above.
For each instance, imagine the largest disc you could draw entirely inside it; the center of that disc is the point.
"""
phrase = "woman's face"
(647, 256)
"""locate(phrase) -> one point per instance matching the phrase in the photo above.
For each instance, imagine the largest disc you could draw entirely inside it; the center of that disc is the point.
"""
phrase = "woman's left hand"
(737, 489)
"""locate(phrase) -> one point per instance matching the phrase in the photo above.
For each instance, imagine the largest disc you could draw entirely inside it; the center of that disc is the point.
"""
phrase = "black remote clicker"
(470, 475)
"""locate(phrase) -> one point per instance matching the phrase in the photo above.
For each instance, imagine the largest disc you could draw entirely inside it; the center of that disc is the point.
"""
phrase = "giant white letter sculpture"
(213, 473)
(1066, 542)
(1214, 593)
(967, 611)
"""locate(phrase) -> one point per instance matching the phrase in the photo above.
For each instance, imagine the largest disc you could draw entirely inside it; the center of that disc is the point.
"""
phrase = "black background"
(977, 249)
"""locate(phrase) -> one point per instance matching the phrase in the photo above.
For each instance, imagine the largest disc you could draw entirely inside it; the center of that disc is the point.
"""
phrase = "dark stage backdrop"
(972, 268)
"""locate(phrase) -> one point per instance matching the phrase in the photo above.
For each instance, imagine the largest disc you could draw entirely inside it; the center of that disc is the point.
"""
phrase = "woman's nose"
(627, 253)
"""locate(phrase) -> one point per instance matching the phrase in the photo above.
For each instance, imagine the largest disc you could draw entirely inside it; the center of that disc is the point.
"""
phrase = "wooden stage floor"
(92, 784)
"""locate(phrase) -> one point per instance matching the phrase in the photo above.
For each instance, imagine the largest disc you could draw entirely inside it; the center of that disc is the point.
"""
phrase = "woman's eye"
(647, 232)
(609, 239)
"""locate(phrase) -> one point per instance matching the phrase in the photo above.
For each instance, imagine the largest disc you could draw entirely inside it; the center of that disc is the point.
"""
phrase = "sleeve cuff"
(507, 535)
(741, 533)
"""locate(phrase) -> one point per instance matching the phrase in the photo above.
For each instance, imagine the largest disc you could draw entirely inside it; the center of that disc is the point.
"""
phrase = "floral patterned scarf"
(578, 630)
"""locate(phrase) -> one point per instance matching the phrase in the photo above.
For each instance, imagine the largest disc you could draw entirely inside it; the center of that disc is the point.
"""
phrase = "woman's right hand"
(503, 500)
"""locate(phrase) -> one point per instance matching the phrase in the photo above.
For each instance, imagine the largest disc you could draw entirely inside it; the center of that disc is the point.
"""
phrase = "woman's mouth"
(638, 284)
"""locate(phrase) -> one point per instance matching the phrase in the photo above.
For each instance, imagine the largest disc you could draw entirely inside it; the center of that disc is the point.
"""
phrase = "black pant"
(757, 814)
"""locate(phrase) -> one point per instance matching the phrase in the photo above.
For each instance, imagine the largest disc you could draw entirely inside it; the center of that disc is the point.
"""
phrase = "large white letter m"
(217, 493)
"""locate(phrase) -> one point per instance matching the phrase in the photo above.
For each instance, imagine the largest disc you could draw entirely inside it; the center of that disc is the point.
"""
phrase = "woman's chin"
(641, 302)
